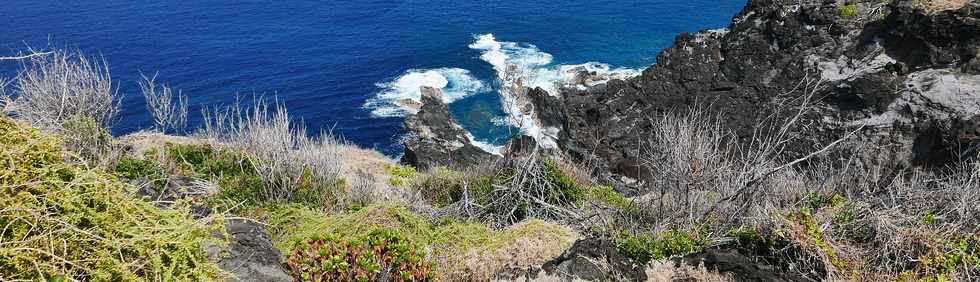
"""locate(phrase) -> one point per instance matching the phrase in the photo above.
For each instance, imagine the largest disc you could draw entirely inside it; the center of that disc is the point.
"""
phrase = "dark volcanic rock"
(250, 255)
(907, 75)
(547, 109)
(520, 146)
(594, 259)
(740, 266)
(435, 139)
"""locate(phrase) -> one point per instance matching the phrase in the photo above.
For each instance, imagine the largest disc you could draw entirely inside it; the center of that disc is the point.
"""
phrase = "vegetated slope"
(809, 140)
(708, 192)
(64, 221)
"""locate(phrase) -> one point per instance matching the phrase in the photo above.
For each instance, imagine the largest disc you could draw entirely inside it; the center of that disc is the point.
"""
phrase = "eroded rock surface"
(907, 75)
(595, 259)
(435, 139)
(250, 255)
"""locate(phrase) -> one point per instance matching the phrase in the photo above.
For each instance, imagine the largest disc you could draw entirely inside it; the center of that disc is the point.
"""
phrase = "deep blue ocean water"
(327, 59)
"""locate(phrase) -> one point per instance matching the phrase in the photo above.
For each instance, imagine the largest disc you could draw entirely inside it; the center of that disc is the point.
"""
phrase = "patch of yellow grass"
(942, 5)
(511, 250)
(667, 271)
(358, 160)
(139, 143)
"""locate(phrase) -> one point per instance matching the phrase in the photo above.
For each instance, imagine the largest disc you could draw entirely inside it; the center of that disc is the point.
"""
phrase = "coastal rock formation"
(595, 260)
(435, 139)
(905, 75)
(742, 267)
(250, 255)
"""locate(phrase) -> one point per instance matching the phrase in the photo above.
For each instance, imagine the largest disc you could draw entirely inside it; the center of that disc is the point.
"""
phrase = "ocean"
(344, 66)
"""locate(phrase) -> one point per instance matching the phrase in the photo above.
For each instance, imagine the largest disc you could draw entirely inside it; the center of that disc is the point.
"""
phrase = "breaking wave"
(401, 96)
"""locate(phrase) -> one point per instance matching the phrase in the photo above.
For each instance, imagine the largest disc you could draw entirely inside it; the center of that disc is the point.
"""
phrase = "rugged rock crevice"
(435, 139)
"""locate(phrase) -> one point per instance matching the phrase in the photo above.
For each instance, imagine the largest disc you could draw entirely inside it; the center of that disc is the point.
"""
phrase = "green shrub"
(606, 195)
(753, 239)
(449, 242)
(849, 10)
(230, 169)
(292, 222)
(86, 137)
(205, 160)
(241, 184)
(567, 189)
(817, 201)
(442, 186)
(400, 175)
(956, 253)
(929, 218)
(133, 168)
(480, 190)
(62, 221)
(643, 248)
(813, 231)
(381, 253)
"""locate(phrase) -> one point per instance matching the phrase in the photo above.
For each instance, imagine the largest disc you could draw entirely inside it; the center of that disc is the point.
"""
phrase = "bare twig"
(32, 55)
(168, 113)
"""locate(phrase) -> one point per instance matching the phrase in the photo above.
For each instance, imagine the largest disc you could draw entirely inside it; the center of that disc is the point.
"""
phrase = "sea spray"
(518, 67)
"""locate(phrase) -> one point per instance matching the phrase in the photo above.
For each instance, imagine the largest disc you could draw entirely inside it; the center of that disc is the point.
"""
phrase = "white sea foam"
(533, 68)
(402, 95)
(485, 146)
(511, 61)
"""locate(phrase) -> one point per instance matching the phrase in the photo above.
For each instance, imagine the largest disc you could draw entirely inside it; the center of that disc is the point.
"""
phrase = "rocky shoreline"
(905, 75)
(809, 140)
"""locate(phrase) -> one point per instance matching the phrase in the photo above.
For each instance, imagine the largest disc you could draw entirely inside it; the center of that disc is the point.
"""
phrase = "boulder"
(250, 254)
(594, 259)
(435, 139)
(742, 267)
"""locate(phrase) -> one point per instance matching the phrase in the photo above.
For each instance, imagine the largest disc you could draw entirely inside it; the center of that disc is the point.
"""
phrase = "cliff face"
(904, 72)
(909, 75)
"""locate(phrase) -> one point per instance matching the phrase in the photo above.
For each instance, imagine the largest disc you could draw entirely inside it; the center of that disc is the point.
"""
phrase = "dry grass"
(668, 271)
(53, 88)
(856, 219)
(942, 5)
(285, 155)
(139, 143)
(368, 168)
(169, 110)
(509, 253)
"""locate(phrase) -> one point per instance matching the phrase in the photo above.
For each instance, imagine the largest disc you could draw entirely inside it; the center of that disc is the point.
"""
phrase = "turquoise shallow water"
(341, 64)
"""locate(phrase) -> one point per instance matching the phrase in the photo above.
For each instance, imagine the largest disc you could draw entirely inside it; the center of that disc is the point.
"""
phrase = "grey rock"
(435, 139)
(250, 255)
(909, 76)
(740, 266)
(595, 259)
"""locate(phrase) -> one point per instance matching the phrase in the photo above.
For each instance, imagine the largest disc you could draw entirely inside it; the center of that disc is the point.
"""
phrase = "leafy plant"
(134, 168)
(380, 254)
(567, 189)
(400, 174)
(849, 10)
(643, 248)
(608, 196)
(961, 251)
(815, 234)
